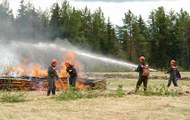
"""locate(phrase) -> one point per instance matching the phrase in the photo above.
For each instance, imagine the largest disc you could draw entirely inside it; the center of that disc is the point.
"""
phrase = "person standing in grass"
(52, 75)
(174, 74)
(143, 70)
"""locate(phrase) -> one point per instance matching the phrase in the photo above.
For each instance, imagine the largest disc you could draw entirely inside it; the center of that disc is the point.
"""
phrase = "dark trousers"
(51, 87)
(72, 81)
(144, 80)
(174, 82)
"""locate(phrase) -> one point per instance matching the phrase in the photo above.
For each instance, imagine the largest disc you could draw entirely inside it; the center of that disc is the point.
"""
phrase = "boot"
(48, 93)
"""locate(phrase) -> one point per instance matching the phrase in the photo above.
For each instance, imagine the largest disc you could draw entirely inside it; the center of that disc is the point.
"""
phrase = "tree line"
(164, 36)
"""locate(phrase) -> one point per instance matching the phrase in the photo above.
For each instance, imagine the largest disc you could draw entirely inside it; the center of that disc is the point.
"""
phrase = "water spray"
(27, 48)
(96, 57)
(105, 59)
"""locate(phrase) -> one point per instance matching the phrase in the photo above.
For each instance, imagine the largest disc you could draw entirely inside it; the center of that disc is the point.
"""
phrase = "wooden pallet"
(34, 83)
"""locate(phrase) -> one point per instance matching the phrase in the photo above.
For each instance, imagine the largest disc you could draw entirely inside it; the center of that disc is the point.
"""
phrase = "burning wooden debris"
(29, 76)
(27, 83)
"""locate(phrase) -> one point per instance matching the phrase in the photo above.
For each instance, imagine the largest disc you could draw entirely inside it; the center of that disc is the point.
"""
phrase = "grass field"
(129, 107)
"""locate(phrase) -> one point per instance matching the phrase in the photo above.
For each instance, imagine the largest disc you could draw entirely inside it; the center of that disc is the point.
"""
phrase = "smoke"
(30, 45)
(41, 53)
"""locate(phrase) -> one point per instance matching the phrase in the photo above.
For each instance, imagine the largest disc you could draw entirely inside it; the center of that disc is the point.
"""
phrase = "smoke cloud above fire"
(41, 53)
(17, 52)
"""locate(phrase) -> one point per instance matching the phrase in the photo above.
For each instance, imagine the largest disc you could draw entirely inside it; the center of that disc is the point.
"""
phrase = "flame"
(79, 85)
(25, 68)
(21, 68)
(37, 71)
(70, 56)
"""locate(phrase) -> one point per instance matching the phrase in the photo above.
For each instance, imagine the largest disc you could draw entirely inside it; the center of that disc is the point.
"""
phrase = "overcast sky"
(114, 9)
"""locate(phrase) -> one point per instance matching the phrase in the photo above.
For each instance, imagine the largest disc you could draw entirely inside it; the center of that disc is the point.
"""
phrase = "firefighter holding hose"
(52, 75)
(143, 70)
(71, 70)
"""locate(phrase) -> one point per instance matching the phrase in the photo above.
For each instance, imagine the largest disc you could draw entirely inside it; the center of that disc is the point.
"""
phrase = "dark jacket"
(72, 71)
(174, 72)
(140, 69)
(52, 74)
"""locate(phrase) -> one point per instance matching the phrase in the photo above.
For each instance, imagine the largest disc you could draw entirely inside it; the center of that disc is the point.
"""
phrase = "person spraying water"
(144, 72)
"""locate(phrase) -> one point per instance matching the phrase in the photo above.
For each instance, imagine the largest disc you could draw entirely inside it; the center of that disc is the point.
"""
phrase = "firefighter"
(72, 73)
(174, 74)
(142, 78)
(52, 75)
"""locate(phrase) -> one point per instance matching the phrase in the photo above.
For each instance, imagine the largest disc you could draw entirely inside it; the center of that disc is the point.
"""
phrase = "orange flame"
(21, 68)
(35, 70)
(69, 56)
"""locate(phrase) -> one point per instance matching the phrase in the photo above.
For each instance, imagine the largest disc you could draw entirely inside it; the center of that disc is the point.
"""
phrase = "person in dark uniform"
(142, 79)
(174, 74)
(72, 73)
(52, 75)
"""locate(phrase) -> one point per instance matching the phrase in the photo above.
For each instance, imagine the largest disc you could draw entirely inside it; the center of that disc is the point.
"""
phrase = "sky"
(114, 9)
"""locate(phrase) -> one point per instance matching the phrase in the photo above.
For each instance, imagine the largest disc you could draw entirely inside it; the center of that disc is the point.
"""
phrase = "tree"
(6, 20)
(27, 22)
(128, 24)
(86, 28)
(55, 22)
(183, 24)
(159, 38)
(44, 23)
(98, 41)
(75, 34)
(173, 42)
(134, 36)
(65, 13)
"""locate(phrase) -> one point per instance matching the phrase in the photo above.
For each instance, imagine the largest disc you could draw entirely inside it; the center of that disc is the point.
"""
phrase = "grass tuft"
(161, 90)
(13, 97)
(119, 92)
(71, 94)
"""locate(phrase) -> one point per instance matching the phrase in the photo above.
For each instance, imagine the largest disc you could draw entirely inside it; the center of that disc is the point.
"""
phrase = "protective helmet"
(67, 63)
(172, 62)
(54, 61)
(142, 58)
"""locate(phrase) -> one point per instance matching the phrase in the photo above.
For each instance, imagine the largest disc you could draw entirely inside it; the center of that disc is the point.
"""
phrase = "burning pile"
(27, 76)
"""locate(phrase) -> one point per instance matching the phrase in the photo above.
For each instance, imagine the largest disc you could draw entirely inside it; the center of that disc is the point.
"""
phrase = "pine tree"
(159, 38)
(6, 20)
(54, 25)
(183, 24)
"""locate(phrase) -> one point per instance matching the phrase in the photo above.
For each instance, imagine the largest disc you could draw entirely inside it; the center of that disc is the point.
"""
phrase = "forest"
(164, 36)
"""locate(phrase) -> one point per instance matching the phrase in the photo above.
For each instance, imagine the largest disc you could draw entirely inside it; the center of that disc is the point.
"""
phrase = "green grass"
(119, 92)
(13, 97)
(97, 105)
(74, 94)
(156, 87)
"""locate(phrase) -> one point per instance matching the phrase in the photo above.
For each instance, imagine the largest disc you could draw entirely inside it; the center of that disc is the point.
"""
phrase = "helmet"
(142, 58)
(172, 62)
(67, 63)
(54, 61)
